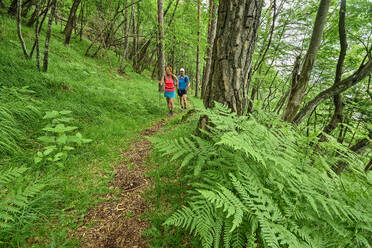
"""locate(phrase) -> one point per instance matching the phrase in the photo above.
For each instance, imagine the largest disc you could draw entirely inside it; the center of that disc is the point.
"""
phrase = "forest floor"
(118, 221)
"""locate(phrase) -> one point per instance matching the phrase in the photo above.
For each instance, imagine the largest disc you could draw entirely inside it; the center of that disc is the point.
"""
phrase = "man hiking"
(170, 81)
(183, 84)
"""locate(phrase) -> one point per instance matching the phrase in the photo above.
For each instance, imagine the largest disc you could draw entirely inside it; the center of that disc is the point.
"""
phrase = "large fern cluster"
(16, 111)
(258, 187)
(16, 198)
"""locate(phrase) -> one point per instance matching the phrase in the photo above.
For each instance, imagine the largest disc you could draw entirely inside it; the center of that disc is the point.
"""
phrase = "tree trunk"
(19, 25)
(70, 22)
(232, 53)
(126, 39)
(134, 32)
(363, 72)
(337, 100)
(198, 55)
(48, 35)
(299, 87)
(161, 55)
(211, 36)
(45, 13)
(37, 10)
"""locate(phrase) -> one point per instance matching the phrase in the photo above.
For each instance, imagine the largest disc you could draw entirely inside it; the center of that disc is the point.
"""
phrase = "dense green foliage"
(41, 203)
(264, 187)
(249, 181)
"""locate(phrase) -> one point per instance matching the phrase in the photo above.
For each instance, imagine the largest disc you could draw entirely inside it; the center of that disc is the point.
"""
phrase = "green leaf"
(62, 139)
(49, 150)
(65, 112)
(37, 159)
(47, 139)
(68, 148)
(51, 114)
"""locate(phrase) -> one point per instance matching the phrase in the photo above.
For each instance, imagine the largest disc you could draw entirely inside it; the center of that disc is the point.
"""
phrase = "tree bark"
(197, 79)
(211, 36)
(232, 53)
(134, 32)
(126, 39)
(363, 72)
(337, 100)
(45, 13)
(298, 89)
(161, 55)
(70, 22)
(48, 35)
(37, 10)
(19, 29)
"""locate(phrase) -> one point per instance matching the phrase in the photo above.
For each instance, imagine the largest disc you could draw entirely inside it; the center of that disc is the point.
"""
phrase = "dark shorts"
(182, 92)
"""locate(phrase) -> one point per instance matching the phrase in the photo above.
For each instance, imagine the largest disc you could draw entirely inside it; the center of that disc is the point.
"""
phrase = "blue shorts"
(170, 94)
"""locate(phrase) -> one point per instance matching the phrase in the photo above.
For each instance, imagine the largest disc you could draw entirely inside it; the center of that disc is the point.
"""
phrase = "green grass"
(169, 187)
(108, 108)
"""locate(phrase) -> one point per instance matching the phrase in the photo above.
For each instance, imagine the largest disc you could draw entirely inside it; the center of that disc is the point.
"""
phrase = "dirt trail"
(117, 221)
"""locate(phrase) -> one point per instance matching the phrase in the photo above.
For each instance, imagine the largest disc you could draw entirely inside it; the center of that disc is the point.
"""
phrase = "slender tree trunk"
(233, 49)
(48, 35)
(337, 100)
(81, 17)
(70, 22)
(19, 29)
(197, 79)
(40, 27)
(298, 89)
(126, 39)
(363, 72)
(37, 10)
(161, 57)
(134, 32)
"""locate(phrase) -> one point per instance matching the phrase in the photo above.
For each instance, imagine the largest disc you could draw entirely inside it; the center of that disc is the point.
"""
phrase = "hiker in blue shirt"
(183, 84)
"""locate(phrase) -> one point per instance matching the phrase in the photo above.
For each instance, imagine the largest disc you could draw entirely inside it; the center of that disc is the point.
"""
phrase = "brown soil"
(117, 222)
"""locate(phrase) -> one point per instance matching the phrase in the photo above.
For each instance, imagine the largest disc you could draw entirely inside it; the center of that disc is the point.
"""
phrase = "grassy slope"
(107, 108)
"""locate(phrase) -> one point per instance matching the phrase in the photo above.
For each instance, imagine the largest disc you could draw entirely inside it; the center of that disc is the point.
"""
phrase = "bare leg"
(184, 98)
(168, 103)
(181, 101)
(171, 104)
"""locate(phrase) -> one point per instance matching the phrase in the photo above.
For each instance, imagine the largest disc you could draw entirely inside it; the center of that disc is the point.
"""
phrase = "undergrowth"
(247, 184)
(42, 203)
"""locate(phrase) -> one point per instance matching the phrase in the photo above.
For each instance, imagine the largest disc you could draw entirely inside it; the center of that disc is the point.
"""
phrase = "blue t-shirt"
(182, 82)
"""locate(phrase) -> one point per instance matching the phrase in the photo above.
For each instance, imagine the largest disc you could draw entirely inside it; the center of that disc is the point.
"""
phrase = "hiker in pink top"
(170, 81)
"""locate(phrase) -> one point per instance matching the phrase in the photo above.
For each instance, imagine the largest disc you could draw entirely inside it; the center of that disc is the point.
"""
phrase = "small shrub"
(60, 138)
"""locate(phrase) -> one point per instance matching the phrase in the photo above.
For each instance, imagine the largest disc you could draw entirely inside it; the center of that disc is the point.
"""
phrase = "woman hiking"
(170, 81)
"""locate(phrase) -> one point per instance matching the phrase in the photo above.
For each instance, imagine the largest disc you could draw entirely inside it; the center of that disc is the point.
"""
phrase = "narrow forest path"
(117, 222)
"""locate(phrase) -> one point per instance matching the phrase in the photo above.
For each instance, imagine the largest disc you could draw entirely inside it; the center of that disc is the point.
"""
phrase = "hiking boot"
(170, 113)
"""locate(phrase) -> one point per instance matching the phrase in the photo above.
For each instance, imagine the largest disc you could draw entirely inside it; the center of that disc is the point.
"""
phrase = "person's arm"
(188, 81)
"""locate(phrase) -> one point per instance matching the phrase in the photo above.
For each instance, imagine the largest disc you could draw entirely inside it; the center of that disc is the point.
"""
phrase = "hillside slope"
(107, 108)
